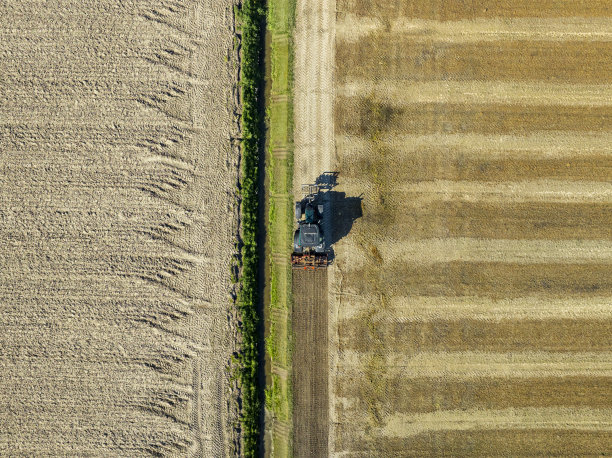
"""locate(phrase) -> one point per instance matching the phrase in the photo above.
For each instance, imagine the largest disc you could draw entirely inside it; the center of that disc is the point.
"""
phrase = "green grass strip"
(251, 17)
(279, 163)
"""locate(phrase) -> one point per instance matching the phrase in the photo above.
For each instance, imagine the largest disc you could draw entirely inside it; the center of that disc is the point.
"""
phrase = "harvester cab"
(308, 241)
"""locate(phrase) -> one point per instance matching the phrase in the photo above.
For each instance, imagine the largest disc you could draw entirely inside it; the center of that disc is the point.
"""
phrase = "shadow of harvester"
(345, 210)
(341, 211)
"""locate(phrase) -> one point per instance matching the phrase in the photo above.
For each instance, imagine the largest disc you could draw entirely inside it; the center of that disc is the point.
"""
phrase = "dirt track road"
(314, 154)
(314, 90)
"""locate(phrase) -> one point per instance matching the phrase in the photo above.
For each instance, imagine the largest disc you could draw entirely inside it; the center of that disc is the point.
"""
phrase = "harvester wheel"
(297, 248)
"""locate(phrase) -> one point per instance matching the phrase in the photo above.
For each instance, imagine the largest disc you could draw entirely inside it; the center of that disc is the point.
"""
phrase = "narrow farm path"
(314, 154)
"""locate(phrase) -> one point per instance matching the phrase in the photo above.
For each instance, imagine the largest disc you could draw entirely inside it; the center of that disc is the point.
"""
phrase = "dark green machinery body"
(308, 241)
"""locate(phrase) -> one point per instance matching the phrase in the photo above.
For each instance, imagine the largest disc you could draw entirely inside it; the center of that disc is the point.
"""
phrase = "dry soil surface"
(471, 301)
(116, 157)
(313, 91)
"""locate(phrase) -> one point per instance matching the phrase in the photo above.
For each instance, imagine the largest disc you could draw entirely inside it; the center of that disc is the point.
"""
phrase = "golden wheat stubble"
(478, 335)
(483, 442)
(500, 196)
(387, 56)
(444, 10)
(402, 394)
(446, 164)
(494, 220)
(364, 117)
(490, 279)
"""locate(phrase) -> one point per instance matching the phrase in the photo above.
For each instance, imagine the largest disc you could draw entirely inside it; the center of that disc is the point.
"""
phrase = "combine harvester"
(308, 242)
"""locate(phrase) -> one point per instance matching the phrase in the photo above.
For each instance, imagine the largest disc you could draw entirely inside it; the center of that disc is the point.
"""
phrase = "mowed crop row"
(473, 295)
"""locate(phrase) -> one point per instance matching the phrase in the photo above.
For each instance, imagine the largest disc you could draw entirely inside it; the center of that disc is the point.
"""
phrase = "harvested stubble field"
(471, 305)
(117, 227)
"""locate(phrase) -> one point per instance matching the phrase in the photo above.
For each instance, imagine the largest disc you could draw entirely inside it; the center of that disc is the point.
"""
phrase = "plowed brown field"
(117, 227)
(310, 375)
(471, 305)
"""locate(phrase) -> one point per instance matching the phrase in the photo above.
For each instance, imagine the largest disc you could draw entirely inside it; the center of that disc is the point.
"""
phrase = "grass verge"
(251, 18)
(279, 159)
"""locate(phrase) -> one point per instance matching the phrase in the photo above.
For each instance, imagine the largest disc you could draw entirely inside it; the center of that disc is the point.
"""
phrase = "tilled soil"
(310, 374)
(117, 228)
